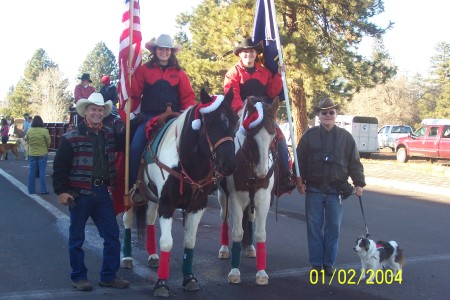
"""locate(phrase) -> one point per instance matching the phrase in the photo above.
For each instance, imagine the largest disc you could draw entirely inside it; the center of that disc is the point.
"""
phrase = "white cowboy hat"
(94, 98)
(163, 41)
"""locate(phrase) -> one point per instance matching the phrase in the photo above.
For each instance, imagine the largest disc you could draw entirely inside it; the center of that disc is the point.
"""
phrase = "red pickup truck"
(431, 141)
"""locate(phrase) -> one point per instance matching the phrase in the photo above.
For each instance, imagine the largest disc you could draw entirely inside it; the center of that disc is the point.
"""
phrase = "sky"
(68, 30)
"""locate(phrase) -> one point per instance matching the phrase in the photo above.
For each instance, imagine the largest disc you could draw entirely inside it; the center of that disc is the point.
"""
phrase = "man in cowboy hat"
(83, 169)
(327, 157)
(83, 90)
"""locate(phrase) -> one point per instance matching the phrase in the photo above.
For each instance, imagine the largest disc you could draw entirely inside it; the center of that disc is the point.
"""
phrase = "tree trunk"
(299, 113)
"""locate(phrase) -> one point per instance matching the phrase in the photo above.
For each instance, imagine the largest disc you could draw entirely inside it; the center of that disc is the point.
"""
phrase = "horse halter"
(212, 148)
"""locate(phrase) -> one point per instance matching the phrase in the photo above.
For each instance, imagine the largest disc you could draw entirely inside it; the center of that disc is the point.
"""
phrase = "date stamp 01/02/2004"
(354, 277)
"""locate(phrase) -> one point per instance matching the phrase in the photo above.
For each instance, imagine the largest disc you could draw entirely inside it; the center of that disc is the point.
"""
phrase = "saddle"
(155, 129)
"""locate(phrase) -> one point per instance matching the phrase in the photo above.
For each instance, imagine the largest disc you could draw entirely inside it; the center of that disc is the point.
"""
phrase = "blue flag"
(264, 30)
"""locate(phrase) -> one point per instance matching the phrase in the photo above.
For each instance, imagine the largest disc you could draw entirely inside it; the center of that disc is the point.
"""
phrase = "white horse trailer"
(363, 129)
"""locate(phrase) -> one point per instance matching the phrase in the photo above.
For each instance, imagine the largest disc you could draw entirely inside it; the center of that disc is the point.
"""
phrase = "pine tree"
(100, 61)
(319, 40)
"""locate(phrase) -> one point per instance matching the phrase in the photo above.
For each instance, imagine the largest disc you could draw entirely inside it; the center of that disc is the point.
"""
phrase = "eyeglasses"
(328, 112)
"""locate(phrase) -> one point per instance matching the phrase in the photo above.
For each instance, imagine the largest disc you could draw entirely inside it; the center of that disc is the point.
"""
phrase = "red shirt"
(259, 83)
(83, 92)
(155, 84)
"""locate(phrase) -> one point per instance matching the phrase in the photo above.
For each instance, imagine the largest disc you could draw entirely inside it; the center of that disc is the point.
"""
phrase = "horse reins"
(184, 177)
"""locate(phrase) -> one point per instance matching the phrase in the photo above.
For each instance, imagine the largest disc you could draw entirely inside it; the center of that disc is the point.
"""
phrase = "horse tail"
(140, 216)
(246, 239)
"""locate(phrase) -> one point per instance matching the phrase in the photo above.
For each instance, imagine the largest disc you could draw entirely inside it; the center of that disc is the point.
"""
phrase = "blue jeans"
(323, 220)
(137, 148)
(99, 207)
(35, 162)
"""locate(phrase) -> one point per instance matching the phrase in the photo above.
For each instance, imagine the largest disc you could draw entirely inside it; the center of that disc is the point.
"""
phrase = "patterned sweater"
(73, 164)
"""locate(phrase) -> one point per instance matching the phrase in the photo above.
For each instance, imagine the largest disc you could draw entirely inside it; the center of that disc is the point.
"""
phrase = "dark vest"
(156, 96)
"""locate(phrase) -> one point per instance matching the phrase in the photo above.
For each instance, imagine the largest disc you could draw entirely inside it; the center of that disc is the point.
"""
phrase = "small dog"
(4, 148)
(378, 256)
(24, 146)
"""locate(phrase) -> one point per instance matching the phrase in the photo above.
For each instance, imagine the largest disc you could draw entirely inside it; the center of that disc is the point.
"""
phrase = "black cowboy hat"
(247, 43)
(325, 104)
(85, 76)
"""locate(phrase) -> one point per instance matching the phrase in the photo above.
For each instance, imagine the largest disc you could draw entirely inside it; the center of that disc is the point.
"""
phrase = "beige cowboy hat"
(94, 98)
(325, 104)
(247, 43)
(163, 41)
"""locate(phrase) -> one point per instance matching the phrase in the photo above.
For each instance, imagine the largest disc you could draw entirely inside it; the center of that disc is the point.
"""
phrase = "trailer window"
(446, 133)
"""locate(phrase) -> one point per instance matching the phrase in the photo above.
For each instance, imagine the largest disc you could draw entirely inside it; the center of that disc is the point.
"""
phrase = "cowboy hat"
(85, 76)
(247, 43)
(163, 41)
(325, 104)
(94, 98)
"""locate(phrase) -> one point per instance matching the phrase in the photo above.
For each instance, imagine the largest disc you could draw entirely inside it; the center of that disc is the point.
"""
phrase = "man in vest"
(83, 170)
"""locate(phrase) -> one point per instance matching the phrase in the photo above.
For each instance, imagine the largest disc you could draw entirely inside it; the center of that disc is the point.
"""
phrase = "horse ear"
(204, 96)
(274, 106)
(250, 105)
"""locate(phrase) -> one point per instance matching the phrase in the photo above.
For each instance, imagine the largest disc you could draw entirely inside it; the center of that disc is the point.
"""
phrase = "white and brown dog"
(378, 256)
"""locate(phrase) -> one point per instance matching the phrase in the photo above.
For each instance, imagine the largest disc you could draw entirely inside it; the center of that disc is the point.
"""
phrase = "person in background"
(158, 82)
(83, 169)
(83, 90)
(26, 122)
(249, 78)
(38, 139)
(5, 134)
(327, 156)
(109, 91)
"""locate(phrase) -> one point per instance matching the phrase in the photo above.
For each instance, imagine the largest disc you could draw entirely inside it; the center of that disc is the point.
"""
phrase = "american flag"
(125, 47)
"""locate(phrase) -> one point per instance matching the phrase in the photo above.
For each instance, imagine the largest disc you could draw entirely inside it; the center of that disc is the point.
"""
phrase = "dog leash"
(364, 217)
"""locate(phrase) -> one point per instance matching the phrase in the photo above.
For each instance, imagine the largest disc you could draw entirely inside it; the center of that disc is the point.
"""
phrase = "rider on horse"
(250, 78)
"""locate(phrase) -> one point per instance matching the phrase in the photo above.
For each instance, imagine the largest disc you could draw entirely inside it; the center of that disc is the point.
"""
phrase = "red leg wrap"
(261, 256)
(151, 239)
(224, 237)
(164, 264)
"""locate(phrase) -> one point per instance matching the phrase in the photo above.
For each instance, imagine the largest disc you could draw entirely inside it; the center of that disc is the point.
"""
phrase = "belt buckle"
(98, 182)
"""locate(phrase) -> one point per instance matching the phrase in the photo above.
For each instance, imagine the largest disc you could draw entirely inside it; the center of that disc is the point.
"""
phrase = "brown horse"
(250, 190)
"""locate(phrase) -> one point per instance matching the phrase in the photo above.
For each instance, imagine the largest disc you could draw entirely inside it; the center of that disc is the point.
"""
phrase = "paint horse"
(194, 151)
(249, 191)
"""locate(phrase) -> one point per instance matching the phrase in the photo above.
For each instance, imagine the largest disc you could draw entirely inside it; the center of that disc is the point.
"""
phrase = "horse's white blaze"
(128, 219)
(190, 229)
(166, 240)
(152, 212)
(263, 140)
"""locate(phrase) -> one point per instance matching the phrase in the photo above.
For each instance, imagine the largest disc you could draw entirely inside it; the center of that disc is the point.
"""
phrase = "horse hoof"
(153, 262)
(127, 263)
(251, 251)
(161, 289)
(262, 278)
(190, 283)
(234, 276)
(224, 253)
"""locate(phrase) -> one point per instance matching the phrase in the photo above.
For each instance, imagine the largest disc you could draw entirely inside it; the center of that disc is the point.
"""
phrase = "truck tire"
(401, 155)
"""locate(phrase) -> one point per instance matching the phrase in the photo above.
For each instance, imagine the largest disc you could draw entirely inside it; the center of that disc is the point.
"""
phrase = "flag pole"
(126, 198)
(283, 77)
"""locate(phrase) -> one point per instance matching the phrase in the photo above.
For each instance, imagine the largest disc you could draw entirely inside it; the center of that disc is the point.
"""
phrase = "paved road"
(34, 260)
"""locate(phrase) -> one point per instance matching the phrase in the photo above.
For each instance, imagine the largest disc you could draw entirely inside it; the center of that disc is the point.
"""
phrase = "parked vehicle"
(388, 134)
(287, 134)
(363, 129)
(431, 141)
